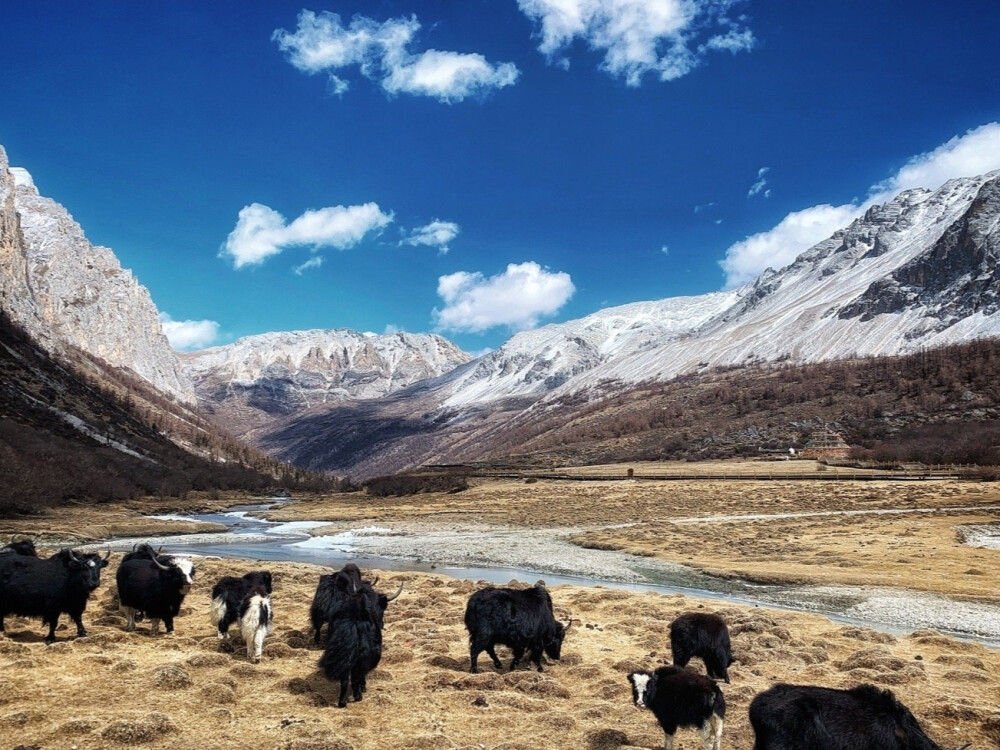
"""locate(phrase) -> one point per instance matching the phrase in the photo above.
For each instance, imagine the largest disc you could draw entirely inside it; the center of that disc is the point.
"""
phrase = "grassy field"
(117, 689)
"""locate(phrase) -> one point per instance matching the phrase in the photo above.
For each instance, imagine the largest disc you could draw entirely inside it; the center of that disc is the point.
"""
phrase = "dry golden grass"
(115, 689)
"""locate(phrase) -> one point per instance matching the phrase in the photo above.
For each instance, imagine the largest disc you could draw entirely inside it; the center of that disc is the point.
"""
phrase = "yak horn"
(398, 592)
(962, 747)
(73, 554)
(107, 556)
(160, 565)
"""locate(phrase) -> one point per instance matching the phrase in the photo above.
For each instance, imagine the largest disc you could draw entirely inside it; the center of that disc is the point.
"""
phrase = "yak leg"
(169, 622)
(258, 643)
(491, 650)
(536, 657)
(130, 614)
(668, 743)
(717, 724)
(358, 684)
(518, 653)
(3, 631)
(51, 621)
(154, 625)
(342, 701)
(80, 630)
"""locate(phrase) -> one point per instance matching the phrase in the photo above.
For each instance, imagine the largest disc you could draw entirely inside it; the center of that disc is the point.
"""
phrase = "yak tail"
(258, 616)
(217, 610)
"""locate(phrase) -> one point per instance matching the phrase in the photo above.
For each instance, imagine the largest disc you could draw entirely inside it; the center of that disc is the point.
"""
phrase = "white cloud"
(261, 231)
(665, 250)
(517, 298)
(759, 186)
(314, 262)
(185, 335)
(779, 246)
(437, 234)
(975, 153)
(322, 44)
(666, 38)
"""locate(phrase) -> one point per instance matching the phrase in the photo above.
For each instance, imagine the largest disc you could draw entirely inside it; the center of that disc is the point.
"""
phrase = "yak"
(788, 717)
(354, 640)
(706, 636)
(333, 591)
(154, 585)
(33, 587)
(521, 619)
(680, 697)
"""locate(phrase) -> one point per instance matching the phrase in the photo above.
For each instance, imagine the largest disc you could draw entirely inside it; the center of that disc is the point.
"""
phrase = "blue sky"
(478, 167)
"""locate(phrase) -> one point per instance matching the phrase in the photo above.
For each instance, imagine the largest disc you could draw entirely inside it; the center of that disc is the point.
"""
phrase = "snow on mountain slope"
(319, 366)
(533, 363)
(832, 302)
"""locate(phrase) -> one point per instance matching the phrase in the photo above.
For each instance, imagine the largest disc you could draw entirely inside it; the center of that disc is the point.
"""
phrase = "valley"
(422, 696)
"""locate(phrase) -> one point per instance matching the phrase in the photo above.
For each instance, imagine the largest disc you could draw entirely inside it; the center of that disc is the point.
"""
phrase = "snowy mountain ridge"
(832, 302)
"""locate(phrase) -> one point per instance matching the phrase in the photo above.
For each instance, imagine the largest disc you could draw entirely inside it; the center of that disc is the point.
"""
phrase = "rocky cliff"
(253, 381)
(66, 292)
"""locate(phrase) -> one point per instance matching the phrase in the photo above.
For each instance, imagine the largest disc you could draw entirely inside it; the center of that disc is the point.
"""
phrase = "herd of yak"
(153, 585)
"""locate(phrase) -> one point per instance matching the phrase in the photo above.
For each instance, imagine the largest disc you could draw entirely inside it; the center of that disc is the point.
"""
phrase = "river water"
(500, 556)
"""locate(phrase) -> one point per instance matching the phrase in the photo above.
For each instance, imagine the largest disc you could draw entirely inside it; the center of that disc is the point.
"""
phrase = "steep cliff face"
(65, 291)
(252, 381)
(16, 294)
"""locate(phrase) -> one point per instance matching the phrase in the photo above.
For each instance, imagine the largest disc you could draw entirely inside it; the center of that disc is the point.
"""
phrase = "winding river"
(499, 556)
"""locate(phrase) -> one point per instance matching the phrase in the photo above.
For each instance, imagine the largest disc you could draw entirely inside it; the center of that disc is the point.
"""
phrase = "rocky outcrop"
(66, 292)
(257, 379)
(956, 278)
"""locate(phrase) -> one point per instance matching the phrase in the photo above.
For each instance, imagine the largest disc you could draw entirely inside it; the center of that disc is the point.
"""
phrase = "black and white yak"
(520, 619)
(153, 585)
(703, 635)
(354, 640)
(789, 717)
(680, 697)
(247, 601)
(35, 587)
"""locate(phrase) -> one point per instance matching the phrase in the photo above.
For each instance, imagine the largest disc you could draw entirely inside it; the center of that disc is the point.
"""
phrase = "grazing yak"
(246, 600)
(24, 547)
(333, 591)
(354, 640)
(33, 587)
(680, 697)
(703, 635)
(153, 585)
(788, 717)
(521, 619)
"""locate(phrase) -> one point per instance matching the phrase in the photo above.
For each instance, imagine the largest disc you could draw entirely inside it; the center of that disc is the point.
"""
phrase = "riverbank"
(115, 689)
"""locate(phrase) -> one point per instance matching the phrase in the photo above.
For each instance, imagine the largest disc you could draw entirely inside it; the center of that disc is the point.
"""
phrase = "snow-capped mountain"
(67, 292)
(919, 271)
(253, 379)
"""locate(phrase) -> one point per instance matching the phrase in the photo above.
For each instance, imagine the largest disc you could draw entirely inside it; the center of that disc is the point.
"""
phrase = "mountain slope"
(251, 382)
(68, 293)
(920, 271)
(71, 428)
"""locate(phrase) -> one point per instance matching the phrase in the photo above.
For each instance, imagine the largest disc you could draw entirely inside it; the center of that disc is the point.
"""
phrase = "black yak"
(521, 619)
(332, 592)
(354, 640)
(154, 585)
(33, 587)
(703, 635)
(680, 697)
(789, 717)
